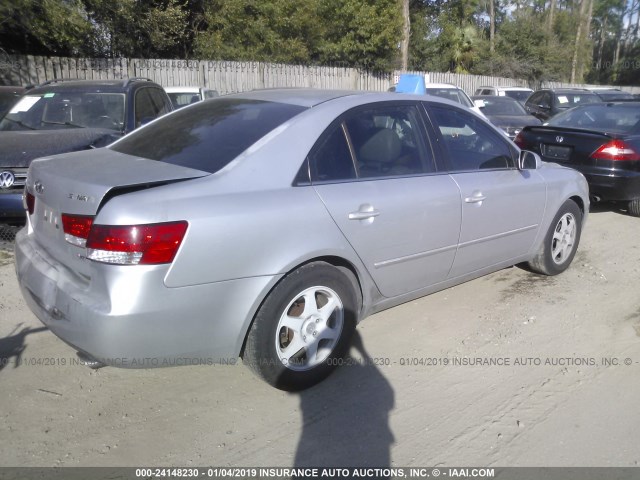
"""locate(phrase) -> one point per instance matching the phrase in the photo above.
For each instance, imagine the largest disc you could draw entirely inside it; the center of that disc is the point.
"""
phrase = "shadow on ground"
(346, 417)
(12, 346)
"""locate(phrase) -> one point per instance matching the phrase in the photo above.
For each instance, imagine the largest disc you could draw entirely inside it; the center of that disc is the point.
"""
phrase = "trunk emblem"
(39, 187)
(7, 179)
(559, 139)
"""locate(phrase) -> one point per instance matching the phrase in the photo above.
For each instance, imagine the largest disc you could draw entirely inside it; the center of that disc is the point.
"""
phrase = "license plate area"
(556, 152)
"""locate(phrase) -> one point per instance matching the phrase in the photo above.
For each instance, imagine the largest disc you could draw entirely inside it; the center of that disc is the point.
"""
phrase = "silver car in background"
(268, 224)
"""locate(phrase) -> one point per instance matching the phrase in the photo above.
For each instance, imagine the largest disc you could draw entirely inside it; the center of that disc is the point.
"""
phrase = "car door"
(374, 170)
(502, 206)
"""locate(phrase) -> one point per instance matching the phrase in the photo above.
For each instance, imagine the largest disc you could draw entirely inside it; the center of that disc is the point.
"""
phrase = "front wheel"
(303, 327)
(561, 241)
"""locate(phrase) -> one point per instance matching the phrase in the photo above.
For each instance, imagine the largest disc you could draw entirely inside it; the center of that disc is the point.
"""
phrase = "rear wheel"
(303, 327)
(561, 241)
(634, 207)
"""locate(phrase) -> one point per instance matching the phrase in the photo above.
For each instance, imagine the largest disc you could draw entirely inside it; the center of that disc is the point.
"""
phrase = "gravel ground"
(512, 369)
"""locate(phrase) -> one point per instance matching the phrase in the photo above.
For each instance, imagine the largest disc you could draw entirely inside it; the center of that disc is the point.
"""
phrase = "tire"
(561, 241)
(634, 208)
(295, 340)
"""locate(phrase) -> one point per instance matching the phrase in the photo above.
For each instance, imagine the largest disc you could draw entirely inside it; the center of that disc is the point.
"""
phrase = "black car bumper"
(618, 185)
(11, 208)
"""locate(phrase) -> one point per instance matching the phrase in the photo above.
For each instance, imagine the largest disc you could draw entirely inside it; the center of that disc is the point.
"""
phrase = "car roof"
(569, 90)
(90, 85)
(613, 103)
(304, 97)
(311, 97)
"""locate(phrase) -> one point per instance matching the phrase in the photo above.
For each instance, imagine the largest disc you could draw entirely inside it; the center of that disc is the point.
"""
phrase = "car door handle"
(364, 214)
(475, 198)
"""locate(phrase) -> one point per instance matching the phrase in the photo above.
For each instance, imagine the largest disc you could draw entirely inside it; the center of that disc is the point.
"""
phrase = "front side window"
(207, 135)
(471, 144)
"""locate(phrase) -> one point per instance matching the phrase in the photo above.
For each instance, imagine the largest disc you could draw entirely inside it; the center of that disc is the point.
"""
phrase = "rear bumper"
(609, 184)
(126, 317)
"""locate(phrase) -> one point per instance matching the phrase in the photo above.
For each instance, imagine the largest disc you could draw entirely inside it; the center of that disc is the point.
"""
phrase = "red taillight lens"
(617, 150)
(135, 244)
(76, 228)
(30, 200)
(520, 141)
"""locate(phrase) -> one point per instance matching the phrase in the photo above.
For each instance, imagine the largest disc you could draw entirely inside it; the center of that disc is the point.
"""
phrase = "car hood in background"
(17, 149)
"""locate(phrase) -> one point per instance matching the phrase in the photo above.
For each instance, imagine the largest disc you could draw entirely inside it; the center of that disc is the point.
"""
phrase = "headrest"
(383, 147)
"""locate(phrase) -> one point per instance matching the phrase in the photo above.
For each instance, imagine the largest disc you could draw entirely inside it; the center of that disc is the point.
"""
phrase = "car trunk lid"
(568, 146)
(79, 184)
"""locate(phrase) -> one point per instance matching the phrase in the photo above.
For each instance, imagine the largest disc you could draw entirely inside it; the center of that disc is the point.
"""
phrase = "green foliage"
(44, 27)
(275, 30)
(363, 33)
(137, 28)
(351, 32)
(445, 35)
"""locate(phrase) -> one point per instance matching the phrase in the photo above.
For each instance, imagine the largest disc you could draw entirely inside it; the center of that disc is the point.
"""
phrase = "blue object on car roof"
(411, 83)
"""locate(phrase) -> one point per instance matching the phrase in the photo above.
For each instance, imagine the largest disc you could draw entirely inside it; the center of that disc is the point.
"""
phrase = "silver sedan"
(266, 225)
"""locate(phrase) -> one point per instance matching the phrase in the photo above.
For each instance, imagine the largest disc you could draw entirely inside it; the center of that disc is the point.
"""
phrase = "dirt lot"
(549, 399)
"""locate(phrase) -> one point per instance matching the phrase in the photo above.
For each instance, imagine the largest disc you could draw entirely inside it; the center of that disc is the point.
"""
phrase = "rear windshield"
(207, 135)
(613, 118)
(501, 107)
(453, 94)
(519, 95)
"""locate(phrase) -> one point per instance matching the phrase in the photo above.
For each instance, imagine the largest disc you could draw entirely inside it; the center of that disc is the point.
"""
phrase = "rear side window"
(331, 160)
(207, 135)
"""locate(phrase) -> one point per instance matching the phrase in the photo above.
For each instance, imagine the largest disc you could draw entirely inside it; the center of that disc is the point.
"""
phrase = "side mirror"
(528, 160)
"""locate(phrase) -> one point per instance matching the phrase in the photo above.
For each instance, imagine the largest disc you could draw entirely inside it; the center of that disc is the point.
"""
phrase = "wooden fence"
(227, 77)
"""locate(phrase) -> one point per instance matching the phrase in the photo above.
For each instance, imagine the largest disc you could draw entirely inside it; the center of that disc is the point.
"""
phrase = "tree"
(138, 28)
(406, 33)
(44, 27)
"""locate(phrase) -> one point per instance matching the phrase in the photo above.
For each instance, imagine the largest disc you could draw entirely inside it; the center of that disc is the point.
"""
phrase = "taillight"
(135, 244)
(520, 141)
(30, 201)
(76, 228)
(616, 150)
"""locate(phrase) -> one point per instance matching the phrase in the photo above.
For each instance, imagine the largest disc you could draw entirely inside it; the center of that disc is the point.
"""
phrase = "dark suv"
(546, 103)
(68, 116)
